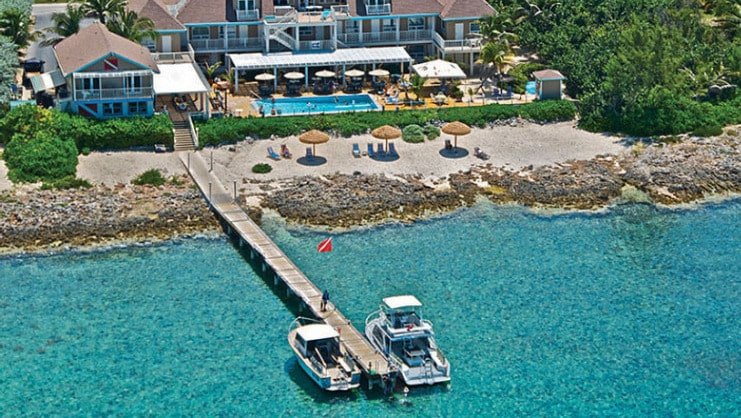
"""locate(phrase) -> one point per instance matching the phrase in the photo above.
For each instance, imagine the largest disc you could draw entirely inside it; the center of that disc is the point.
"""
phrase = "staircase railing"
(193, 131)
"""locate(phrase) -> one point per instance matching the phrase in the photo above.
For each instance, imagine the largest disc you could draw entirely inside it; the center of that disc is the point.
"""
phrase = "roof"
(465, 8)
(439, 69)
(179, 79)
(548, 75)
(94, 42)
(314, 332)
(405, 301)
(349, 56)
(47, 81)
(157, 12)
(406, 7)
(207, 11)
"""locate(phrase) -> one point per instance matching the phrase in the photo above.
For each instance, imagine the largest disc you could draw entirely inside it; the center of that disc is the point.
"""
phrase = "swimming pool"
(315, 105)
(530, 87)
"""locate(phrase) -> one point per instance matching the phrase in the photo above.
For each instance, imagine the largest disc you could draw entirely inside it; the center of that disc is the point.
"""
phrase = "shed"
(548, 84)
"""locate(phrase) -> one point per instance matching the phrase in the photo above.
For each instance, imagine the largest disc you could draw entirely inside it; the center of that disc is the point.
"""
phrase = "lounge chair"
(356, 150)
(272, 154)
(309, 154)
(381, 152)
(448, 144)
(480, 154)
(284, 152)
(371, 153)
(392, 150)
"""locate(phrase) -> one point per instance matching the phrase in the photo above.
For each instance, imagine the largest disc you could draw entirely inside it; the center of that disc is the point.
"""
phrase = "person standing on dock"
(325, 300)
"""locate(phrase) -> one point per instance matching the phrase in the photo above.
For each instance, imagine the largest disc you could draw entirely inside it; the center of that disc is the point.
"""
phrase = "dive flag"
(325, 246)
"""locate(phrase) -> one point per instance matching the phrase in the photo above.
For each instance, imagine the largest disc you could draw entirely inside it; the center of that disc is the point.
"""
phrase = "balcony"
(246, 44)
(208, 45)
(244, 15)
(341, 11)
(419, 35)
(405, 36)
(457, 45)
(174, 57)
(102, 94)
(377, 9)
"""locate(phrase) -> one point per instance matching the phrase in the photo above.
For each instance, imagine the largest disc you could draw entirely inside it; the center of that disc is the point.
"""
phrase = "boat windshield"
(403, 319)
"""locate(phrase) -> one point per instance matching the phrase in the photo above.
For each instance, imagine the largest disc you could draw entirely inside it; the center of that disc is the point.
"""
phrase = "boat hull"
(326, 382)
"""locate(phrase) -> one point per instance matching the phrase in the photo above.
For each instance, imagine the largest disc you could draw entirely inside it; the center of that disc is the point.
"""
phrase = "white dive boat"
(319, 352)
(398, 331)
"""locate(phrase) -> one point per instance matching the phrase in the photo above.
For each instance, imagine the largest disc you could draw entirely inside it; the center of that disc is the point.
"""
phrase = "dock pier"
(273, 262)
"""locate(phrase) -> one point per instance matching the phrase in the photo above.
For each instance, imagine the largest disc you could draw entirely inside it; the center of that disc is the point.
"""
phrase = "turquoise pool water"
(530, 87)
(629, 313)
(317, 104)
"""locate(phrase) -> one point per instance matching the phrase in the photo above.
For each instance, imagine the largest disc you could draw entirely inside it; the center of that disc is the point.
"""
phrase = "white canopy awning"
(179, 79)
(345, 56)
(439, 69)
(314, 332)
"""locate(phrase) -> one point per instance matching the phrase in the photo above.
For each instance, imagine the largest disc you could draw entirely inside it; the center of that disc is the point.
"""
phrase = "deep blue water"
(632, 312)
(317, 104)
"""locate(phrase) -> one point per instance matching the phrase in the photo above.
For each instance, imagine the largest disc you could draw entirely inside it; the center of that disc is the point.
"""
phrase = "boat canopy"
(315, 332)
(398, 302)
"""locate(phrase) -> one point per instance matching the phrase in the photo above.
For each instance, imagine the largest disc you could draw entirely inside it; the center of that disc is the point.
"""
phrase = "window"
(475, 27)
(389, 25)
(112, 109)
(90, 83)
(417, 23)
(137, 108)
(353, 26)
(305, 31)
(230, 30)
(200, 33)
(246, 5)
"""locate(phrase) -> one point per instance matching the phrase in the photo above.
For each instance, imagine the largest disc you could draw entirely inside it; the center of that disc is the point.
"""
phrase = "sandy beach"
(121, 167)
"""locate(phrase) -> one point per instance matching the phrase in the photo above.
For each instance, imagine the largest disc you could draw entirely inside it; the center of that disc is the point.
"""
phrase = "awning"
(179, 79)
(47, 81)
(439, 69)
(345, 56)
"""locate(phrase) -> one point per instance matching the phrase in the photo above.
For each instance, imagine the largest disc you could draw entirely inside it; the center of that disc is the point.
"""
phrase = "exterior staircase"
(183, 139)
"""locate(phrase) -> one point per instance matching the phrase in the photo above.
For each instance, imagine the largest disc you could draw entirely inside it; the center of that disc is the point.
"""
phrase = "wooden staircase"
(183, 139)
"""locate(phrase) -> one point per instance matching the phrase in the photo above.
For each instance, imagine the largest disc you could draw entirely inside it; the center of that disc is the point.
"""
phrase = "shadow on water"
(303, 381)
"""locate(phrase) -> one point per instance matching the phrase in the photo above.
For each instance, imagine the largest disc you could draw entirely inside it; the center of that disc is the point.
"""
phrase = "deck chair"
(392, 150)
(380, 150)
(284, 152)
(309, 154)
(448, 144)
(272, 154)
(356, 150)
(371, 153)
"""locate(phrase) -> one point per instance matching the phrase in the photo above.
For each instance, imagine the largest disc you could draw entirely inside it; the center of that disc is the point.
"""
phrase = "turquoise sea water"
(633, 312)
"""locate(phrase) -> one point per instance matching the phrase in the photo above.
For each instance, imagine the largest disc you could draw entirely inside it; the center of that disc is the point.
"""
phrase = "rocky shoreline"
(682, 170)
(43, 220)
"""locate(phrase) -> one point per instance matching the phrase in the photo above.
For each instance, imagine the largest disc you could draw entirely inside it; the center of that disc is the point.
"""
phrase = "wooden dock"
(273, 260)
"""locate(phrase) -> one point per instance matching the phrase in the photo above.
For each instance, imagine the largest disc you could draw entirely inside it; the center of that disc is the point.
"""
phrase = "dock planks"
(372, 362)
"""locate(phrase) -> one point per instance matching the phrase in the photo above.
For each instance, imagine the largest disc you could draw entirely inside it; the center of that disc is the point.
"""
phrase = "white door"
(459, 31)
(166, 43)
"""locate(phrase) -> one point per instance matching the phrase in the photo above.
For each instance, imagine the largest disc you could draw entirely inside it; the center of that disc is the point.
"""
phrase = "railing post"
(235, 190)
(209, 193)
(188, 162)
(212, 162)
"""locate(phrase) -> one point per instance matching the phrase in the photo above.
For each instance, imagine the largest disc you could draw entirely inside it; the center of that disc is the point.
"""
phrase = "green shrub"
(85, 151)
(521, 75)
(150, 178)
(262, 168)
(42, 157)
(706, 131)
(66, 183)
(414, 134)
(432, 132)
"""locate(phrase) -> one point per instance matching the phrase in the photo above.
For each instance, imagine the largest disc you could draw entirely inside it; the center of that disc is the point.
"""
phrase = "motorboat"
(323, 357)
(407, 341)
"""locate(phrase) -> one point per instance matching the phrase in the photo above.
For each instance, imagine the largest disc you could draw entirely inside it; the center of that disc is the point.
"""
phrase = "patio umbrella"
(354, 73)
(386, 132)
(313, 137)
(265, 77)
(294, 76)
(456, 129)
(379, 73)
(325, 74)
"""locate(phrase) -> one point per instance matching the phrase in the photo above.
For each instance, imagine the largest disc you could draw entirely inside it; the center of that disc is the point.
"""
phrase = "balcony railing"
(316, 45)
(341, 11)
(245, 43)
(248, 14)
(100, 94)
(212, 44)
(424, 35)
(217, 44)
(415, 35)
(472, 44)
(377, 9)
(174, 57)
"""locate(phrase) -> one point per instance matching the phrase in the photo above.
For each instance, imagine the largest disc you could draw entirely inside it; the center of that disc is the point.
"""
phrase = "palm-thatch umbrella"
(386, 132)
(456, 129)
(313, 137)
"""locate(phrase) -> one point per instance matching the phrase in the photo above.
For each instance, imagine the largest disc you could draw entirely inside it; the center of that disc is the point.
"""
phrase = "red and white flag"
(325, 246)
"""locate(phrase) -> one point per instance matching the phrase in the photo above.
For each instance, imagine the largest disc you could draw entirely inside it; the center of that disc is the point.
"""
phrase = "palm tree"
(416, 84)
(65, 25)
(211, 69)
(129, 25)
(16, 25)
(500, 27)
(497, 54)
(542, 8)
(103, 9)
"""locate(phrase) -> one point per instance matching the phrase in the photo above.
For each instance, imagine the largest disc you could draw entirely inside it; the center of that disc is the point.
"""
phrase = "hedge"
(88, 133)
(231, 130)
(43, 156)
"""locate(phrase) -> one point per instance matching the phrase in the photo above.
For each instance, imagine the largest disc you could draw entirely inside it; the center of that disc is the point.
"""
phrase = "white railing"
(216, 44)
(283, 38)
(377, 9)
(415, 35)
(248, 14)
(316, 45)
(174, 57)
(99, 94)
(341, 11)
(193, 132)
(466, 44)
(369, 38)
(245, 43)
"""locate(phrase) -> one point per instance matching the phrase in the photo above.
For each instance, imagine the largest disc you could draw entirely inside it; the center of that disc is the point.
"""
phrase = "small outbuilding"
(548, 84)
